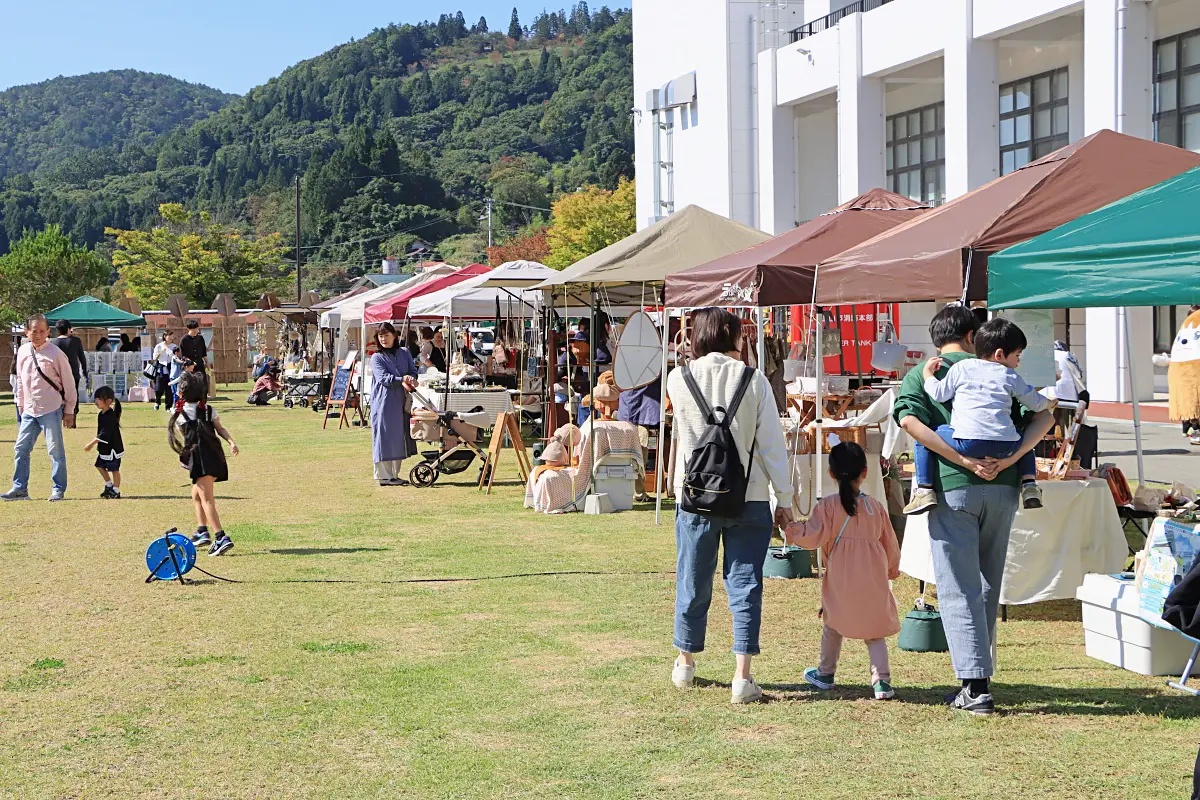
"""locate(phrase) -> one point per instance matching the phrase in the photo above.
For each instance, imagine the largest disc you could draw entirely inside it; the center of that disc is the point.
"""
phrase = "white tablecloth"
(493, 402)
(1051, 548)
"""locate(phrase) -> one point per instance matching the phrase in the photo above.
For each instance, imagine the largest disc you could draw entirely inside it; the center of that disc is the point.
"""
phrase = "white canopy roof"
(349, 312)
(517, 274)
(477, 298)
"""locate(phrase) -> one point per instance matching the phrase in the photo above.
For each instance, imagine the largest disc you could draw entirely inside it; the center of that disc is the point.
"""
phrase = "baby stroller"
(458, 434)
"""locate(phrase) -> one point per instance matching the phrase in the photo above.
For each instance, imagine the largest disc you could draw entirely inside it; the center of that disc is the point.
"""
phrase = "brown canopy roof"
(926, 258)
(779, 271)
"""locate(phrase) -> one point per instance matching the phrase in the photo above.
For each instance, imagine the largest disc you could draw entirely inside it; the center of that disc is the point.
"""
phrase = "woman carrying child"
(110, 448)
(861, 556)
(201, 454)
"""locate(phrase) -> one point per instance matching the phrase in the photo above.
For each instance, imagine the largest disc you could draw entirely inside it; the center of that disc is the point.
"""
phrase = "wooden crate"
(6, 359)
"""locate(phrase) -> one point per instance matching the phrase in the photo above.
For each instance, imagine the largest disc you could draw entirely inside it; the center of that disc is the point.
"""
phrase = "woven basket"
(808, 438)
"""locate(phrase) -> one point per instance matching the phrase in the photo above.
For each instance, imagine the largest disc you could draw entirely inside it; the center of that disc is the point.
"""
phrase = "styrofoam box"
(1114, 632)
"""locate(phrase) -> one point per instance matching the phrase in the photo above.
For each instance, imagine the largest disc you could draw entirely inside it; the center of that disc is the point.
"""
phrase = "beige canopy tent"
(625, 271)
(632, 272)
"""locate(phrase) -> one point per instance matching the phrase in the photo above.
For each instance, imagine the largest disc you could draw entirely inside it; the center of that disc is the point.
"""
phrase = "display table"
(1051, 549)
(493, 402)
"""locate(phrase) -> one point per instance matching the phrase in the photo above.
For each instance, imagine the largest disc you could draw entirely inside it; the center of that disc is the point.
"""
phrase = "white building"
(774, 112)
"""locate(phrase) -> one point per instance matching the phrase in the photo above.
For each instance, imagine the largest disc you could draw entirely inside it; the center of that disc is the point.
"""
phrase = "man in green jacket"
(970, 526)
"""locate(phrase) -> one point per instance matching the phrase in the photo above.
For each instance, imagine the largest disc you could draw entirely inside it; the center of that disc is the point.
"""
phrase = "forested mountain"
(119, 114)
(398, 135)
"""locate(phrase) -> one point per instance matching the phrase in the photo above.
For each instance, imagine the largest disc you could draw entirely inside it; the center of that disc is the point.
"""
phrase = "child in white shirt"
(981, 423)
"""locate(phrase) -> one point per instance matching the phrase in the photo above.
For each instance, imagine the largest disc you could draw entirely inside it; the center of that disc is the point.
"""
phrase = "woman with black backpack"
(730, 440)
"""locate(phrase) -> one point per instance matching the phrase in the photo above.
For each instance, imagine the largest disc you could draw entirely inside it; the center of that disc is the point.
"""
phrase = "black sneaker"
(201, 538)
(221, 545)
(108, 493)
(980, 706)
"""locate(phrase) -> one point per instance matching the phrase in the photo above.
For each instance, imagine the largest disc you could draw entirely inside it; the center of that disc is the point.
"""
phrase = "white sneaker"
(682, 675)
(1031, 495)
(56, 495)
(744, 692)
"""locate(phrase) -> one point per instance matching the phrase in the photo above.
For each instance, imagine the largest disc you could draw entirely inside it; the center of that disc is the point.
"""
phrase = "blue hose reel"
(170, 557)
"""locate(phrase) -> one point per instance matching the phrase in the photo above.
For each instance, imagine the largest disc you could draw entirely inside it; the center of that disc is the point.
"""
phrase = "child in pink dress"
(861, 555)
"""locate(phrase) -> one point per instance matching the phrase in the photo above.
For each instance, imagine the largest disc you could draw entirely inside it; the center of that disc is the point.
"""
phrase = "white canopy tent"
(348, 314)
(478, 298)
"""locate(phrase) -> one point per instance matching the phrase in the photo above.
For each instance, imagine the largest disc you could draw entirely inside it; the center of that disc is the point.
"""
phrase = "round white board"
(638, 359)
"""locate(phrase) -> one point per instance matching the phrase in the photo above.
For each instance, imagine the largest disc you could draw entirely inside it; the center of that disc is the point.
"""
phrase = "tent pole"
(592, 390)
(761, 344)
(1137, 408)
(660, 465)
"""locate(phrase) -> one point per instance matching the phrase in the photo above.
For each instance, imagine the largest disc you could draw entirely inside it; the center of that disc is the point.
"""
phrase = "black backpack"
(713, 480)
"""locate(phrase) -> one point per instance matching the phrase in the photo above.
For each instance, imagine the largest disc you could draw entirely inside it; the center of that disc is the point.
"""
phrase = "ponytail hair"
(847, 463)
(106, 393)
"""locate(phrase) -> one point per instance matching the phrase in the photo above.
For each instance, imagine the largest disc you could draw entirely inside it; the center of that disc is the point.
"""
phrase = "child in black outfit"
(108, 443)
(201, 454)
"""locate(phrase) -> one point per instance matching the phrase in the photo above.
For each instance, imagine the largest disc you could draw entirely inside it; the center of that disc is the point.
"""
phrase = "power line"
(443, 218)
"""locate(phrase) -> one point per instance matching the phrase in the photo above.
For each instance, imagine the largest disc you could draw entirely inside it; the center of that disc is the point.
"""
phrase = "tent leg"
(1137, 408)
(660, 464)
(819, 419)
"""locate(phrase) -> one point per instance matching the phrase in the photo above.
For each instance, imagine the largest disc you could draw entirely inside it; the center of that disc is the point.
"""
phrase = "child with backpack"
(201, 454)
(861, 557)
(110, 448)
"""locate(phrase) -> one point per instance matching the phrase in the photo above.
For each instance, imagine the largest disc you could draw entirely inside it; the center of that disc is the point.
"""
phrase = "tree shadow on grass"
(325, 551)
(180, 496)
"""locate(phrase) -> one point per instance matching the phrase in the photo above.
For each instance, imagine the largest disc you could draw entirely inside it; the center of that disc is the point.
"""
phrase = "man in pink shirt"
(45, 393)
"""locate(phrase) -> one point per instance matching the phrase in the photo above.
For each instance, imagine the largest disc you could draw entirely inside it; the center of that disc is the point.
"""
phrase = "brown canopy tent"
(779, 271)
(929, 258)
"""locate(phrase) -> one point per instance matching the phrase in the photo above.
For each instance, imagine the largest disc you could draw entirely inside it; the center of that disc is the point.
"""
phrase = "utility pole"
(299, 283)
(489, 213)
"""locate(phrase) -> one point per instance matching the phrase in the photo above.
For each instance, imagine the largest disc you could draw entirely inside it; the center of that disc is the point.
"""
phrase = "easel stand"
(342, 408)
(506, 423)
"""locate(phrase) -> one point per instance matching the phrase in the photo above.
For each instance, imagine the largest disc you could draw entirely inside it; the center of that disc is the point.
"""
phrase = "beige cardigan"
(757, 419)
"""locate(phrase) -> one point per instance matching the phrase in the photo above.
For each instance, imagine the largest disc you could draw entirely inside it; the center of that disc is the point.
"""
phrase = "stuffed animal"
(1183, 372)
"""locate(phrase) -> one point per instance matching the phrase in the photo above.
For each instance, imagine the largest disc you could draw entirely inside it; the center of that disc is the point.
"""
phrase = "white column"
(1117, 54)
(776, 153)
(860, 109)
(972, 104)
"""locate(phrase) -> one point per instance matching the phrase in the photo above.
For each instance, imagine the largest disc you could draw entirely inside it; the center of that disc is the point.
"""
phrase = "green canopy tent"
(1142, 250)
(88, 312)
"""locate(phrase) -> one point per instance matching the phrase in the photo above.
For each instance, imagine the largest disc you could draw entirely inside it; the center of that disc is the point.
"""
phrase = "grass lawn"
(326, 674)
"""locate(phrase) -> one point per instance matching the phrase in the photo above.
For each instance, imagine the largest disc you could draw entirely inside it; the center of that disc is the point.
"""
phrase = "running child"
(981, 426)
(110, 448)
(861, 555)
(200, 453)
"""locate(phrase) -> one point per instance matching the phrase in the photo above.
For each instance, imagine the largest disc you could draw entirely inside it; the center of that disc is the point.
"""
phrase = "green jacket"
(913, 401)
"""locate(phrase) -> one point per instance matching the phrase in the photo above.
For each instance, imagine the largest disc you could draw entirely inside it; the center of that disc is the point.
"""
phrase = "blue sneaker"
(814, 677)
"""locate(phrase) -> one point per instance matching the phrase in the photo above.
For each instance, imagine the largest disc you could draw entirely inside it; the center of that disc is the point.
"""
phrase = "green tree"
(189, 254)
(590, 220)
(514, 26)
(45, 269)
(481, 26)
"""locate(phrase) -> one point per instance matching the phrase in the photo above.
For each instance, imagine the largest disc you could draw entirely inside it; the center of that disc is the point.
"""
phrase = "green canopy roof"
(1143, 250)
(88, 312)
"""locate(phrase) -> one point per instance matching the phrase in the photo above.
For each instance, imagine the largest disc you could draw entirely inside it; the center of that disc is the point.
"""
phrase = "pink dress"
(857, 599)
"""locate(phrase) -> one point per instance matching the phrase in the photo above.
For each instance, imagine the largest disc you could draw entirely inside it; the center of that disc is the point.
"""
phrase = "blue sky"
(231, 45)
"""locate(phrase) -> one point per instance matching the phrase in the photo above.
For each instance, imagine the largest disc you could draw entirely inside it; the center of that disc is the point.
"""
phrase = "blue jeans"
(51, 425)
(697, 538)
(968, 536)
(925, 462)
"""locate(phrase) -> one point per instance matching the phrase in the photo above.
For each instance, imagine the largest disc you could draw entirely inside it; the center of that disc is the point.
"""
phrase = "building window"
(916, 153)
(1177, 90)
(1033, 119)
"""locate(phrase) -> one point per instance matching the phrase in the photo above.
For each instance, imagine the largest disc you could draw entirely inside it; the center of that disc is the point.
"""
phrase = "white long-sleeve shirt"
(983, 392)
(756, 420)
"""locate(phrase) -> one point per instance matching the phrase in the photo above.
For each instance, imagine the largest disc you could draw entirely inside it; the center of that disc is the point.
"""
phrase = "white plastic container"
(1114, 632)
